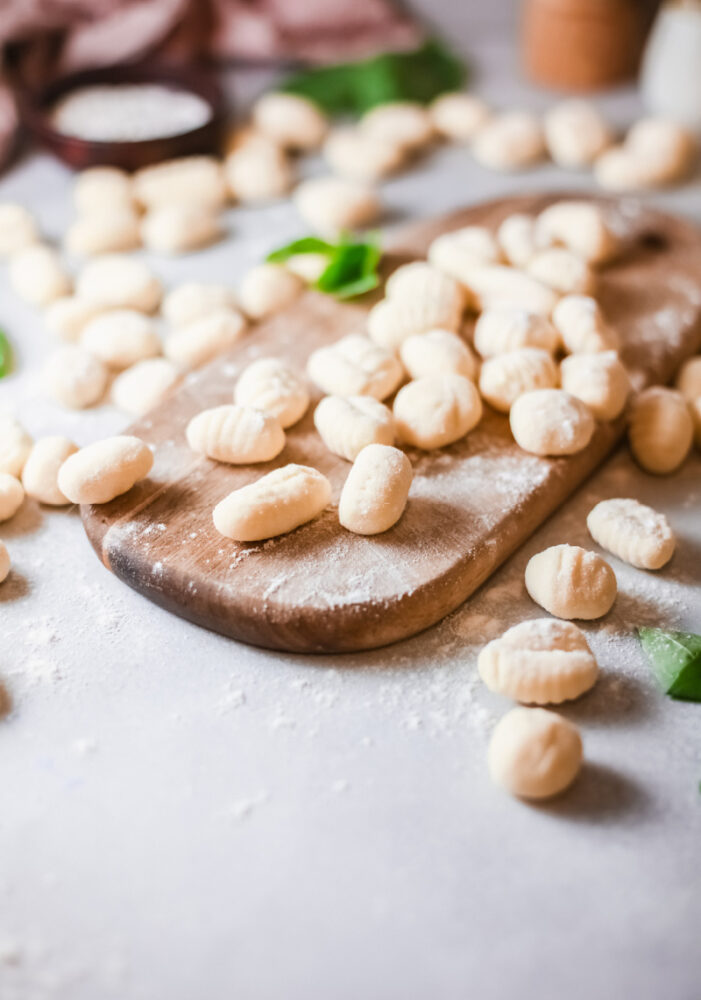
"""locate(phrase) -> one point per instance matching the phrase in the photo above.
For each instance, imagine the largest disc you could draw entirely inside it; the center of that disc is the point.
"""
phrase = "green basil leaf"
(358, 287)
(675, 658)
(352, 270)
(5, 355)
(308, 244)
(353, 88)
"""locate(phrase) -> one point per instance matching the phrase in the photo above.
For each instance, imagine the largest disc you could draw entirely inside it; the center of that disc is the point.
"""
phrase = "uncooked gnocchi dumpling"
(116, 281)
(195, 180)
(277, 503)
(347, 424)
(331, 204)
(500, 331)
(15, 445)
(267, 289)
(291, 121)
(18, 230)
(635, 533)
(352, 152)
(551, 422)
(436, 410)
(437, 352)
(421, 280)
(74, 377)
(539, 662)
(40, 473)
(660, 429)
(109, 230)
(143, 386)
(375, 493)
(180, 228)
(580, 323)
(104, 470)
(307, 266)
(655, 152)
(458, 117)
(599, 380)
(11, 496)
(559, 268)
(196, 343)
(392, 321)
(5, 564)
(581, 227)
(688, 380)
(100, 188)
(576, 133)
(517, 239)
(534, 753)
(258, 172)
(68, 316)
(194, 300)
(238, 435)
(571, 582)
(38, 276)
(500, 287)
(355, 366)
(120, 338)
(509, 141)
(270, 384)
(406, 123)
(505, 377)
(459, 252)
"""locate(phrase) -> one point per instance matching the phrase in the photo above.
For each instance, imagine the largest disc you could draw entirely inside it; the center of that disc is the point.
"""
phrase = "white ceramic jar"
(671, 71)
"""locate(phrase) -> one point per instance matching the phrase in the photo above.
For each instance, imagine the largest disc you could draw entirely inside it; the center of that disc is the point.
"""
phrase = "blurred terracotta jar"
(583, 44)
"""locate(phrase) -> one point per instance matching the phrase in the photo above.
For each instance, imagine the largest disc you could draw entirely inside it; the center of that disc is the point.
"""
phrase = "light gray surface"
(184, 817)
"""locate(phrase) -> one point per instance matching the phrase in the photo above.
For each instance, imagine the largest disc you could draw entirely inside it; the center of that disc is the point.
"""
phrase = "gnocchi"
(421, 280)
(635, 533)
(104, 470)
(517, 239)
(11, 496)
(195, 300)
(258, 172)
(38, 276)
(562, 270)
(350, 152)
(599, 380)
(534, 753)
(99, 188)
(437, 352)
(75, 378)
(436, 410)
(406, 124)
(40, 473)
(503, 330)
(510, 141)
(198, 342)
(393, 320)
(115, 281)
(121, 337)
(505, 377)
(458, 117)
(655, 152)
(173, 229)
(187, 180)
(109, 230)
(18, 230)
(660, 429)
(270, 384)
(268, 288)
(355, 366)
(551, 422)
(235, 434)
(15, 445)
(496, 287)
(331, 204)
(571, 582)
(539, 662)
(376, 491)
(581, 227)
(576, 133)
(347, 424)
(582, 327)
(138, 389)
(68, 316)
(460, 252)
(273, 505)
(291, 121)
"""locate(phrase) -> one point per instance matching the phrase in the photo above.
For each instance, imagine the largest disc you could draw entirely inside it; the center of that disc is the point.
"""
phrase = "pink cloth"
(49, 38)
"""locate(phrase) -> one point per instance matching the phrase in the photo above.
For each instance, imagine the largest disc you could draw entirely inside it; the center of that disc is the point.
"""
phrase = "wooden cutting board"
(472, 504)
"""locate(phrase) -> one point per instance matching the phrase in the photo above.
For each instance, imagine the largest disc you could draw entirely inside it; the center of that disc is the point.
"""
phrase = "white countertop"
(185, 817)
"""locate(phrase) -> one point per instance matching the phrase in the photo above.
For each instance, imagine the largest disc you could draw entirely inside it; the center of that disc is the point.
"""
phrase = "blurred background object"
(671, 72)
(584, 45)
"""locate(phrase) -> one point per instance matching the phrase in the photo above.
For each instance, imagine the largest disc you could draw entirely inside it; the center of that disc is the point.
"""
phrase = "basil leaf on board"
(5, 355)
(353, 88)
(675, 658)
(308, 244)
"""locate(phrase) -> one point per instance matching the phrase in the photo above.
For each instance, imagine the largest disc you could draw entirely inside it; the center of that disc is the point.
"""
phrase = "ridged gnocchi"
(270, 384)
(571, 582)
(235, 434)
(436, 410)
(600, 380)
(196, 343)
(500, 331)
(505, 377)
(582, 327)
(120, 338)
(347, 424)
(635, 533)
(355, 366)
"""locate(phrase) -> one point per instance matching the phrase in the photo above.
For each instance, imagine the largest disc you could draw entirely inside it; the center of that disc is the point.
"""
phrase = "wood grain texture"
(472, 504)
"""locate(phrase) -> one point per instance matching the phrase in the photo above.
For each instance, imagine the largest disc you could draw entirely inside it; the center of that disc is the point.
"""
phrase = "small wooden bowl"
(35, 109)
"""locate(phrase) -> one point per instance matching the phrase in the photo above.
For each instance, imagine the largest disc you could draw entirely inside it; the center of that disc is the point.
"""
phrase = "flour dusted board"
(322, 588)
